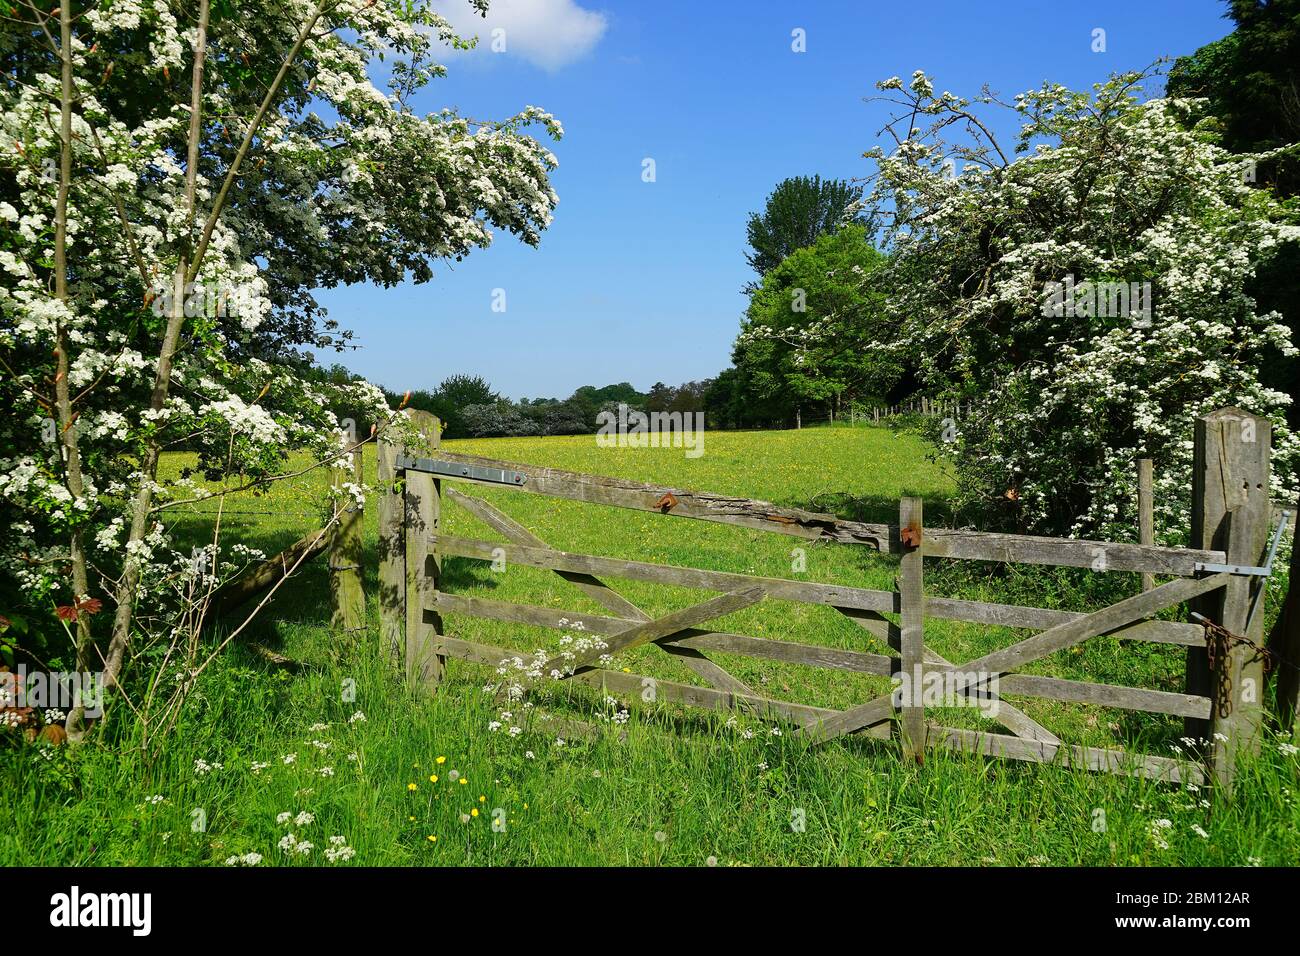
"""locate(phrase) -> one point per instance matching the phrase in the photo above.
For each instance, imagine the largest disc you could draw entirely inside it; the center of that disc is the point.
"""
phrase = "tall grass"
(669, 786)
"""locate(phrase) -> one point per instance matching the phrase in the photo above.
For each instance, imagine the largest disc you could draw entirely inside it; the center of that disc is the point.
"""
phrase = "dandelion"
(454, 775)
(660, 836)
(464, 818)
(711, 861)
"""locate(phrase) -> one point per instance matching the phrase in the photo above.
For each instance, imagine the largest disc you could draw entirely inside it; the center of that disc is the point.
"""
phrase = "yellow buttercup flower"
(463, 781)
(474, 812)
(433, 839)
(481, 798)
(433, 778)
(442, 760)
(412, 786)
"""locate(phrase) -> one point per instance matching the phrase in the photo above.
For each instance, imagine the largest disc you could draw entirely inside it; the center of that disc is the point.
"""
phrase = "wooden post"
(1230, 513)
(912, 627)
(346, 550)
(422, 516)
(1284, 642)
(1146, 515)
(392, 556)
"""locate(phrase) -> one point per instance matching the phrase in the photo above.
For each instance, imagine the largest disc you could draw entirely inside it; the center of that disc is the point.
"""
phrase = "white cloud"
(546, 33)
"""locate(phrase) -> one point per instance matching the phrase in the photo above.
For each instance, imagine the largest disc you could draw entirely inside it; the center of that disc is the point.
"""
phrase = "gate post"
(912, 628)
(392, 555)
(347, 548)
(1230, 513)
(422, 517)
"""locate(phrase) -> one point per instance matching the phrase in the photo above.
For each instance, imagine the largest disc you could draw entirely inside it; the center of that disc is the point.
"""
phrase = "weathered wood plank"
(778, 588)
(422, 522)
(1091, 758)
(842, 598)
(392, 557)
(658, 628)
(708, 698)
(1047, 642)
(811, 655)
(1105, 695)
(751, 513)
(911, 592)
(347, 550)
(1146, 513)
(1010, 716)
(600, 592)
(1230, 509)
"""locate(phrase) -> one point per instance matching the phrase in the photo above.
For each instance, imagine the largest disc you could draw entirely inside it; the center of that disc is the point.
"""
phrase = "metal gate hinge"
(1261, 571)
(456, 469)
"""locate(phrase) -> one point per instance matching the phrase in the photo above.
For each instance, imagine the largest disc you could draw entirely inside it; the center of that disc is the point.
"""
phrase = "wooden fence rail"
(1230, 518)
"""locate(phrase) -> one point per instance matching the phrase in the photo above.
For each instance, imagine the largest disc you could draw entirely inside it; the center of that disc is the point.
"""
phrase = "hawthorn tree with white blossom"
(1101, 186)
(177, 179)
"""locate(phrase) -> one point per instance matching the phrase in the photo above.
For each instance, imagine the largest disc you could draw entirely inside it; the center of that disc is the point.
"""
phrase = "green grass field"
(671, 786)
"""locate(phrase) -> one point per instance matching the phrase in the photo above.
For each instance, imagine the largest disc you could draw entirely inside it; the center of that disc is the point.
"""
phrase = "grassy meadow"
(372, 773)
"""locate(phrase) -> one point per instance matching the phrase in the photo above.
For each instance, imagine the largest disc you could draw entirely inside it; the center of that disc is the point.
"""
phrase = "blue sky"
(638, 281)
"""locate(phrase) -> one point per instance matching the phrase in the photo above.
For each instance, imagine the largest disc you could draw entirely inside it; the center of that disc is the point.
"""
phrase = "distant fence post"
(1230, 513)
(421, 519)
(1146, 514)
(912, 627)
(347, 547)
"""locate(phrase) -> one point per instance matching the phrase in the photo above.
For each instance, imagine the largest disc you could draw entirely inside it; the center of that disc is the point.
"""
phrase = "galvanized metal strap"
(1261, 571)
(456, 469)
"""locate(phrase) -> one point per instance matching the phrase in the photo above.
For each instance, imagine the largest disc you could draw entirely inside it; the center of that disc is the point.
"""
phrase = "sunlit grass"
(671, 786)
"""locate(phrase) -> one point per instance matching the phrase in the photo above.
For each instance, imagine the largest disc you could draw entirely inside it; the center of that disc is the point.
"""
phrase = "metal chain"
(1219, 642)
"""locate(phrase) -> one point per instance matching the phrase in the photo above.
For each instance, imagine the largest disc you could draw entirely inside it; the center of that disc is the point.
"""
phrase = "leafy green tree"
(814, 335)
(1250, 81)
(799, 210)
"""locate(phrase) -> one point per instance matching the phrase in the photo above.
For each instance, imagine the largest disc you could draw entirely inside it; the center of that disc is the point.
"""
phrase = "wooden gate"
(1221, 578)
